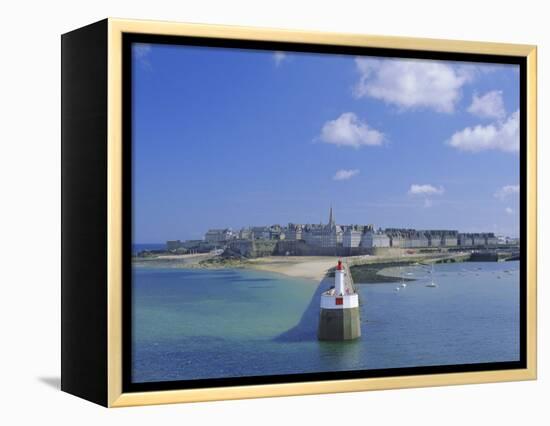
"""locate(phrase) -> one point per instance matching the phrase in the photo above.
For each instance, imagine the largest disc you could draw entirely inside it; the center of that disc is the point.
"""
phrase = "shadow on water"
(306, 329)
(252, 280)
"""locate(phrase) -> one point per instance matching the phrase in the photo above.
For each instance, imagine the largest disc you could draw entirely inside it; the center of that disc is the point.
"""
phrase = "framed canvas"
(256, 212)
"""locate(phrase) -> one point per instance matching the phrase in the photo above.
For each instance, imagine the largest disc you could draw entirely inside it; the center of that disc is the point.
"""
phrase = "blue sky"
(231, 138)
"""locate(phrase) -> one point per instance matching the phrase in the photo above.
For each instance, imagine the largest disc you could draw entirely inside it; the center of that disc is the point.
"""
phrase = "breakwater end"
(339, 317)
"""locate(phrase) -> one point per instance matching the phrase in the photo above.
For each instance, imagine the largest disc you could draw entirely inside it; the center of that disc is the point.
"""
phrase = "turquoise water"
(198, 324)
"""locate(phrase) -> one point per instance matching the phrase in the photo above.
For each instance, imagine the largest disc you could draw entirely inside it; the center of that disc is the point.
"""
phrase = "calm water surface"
(196, 324)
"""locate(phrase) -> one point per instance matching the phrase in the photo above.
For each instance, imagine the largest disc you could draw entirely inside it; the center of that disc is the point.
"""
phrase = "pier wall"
(259, 248)
(339, 324)
(252, 248)
(301, 248)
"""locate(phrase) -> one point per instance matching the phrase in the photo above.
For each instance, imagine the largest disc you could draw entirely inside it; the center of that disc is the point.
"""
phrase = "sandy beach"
(172, 260)
(367, 268)
(197, 256)
(310, 267)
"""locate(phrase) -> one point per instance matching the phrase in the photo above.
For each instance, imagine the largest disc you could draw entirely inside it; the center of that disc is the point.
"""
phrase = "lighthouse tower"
(339, 316)
(339, 275)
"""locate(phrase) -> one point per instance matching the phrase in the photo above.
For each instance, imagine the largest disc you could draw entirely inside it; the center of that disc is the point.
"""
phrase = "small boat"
(403, 285)
(432, 284)
(397, 289)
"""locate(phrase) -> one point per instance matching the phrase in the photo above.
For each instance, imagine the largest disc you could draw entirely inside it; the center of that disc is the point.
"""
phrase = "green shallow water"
(196, 324)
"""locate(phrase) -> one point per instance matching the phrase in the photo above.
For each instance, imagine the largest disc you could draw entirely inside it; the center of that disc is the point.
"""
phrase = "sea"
(200, 324)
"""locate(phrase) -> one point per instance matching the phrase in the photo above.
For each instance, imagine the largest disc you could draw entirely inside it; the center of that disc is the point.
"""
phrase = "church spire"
(331, 218)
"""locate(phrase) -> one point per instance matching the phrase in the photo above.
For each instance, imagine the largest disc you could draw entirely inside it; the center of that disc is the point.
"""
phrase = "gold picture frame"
(115, 29)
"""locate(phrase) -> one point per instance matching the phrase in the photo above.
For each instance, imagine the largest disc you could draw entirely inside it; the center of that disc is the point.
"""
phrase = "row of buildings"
(351, 236)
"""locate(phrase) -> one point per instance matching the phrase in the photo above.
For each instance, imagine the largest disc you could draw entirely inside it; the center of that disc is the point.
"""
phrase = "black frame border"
(129, 38)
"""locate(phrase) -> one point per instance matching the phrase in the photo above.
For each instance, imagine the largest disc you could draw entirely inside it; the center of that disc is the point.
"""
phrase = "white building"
(479, 239)
(491, 239)
(330, 235)
(293, 232)
(417, 239)
(245, 234)
(450, 240)
(261, 232)
(352, 237)
(373, 239)
(465, 240)
(218, 235)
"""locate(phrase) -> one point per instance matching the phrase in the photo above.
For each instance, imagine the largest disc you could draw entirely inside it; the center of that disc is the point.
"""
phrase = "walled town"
(331, 239)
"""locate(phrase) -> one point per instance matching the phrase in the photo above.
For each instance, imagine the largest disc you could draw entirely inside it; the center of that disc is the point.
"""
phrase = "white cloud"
(507, 191)
(141, 53)
(490, 105)
(502, 136)
(345, 174)
(425, 189)
(348, 130)
(412, 83)
(509, 210)
(142, 49)
(279, 57)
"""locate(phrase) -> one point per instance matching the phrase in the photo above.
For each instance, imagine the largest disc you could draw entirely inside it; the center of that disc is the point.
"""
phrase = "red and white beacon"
(339, 275)
(339, 316)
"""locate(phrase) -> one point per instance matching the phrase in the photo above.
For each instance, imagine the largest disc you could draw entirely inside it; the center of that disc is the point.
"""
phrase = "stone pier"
(339, 317)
